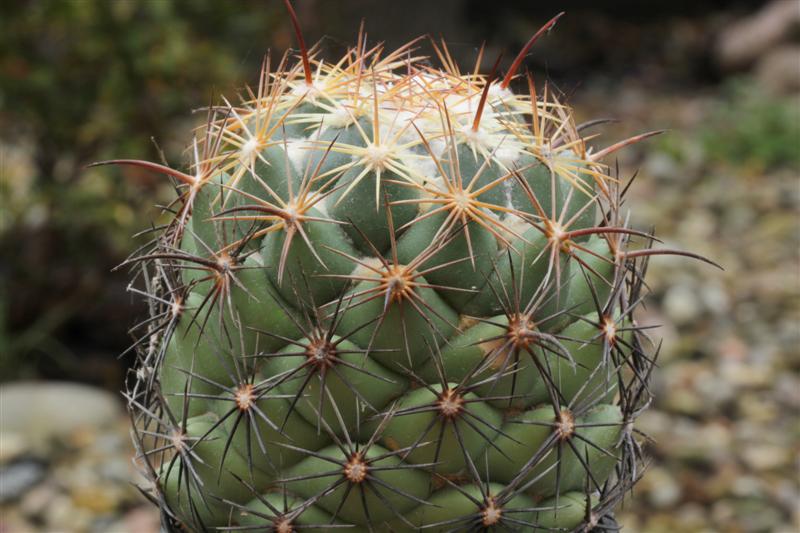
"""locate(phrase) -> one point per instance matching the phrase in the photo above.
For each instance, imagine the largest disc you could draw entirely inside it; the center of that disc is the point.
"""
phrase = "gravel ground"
(724, 425)
(67, 469)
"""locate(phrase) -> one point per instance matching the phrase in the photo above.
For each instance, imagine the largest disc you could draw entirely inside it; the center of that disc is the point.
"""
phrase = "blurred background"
(82, 81)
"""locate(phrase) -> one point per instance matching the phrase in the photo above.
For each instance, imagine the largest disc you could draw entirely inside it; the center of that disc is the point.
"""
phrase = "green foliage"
(80, 81)
(752, 128)
(86, 77)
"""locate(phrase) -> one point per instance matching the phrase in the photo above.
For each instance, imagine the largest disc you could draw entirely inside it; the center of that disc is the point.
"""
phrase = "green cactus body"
(387, 303)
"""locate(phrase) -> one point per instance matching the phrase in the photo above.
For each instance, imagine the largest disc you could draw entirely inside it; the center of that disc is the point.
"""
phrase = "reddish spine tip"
(155, 167)
(622, 144)
(525, 49)
(485, 93)
(300, 41)
(666, 251)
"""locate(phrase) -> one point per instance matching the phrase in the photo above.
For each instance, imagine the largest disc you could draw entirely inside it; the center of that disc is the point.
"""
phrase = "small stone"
(41, 412)
(654, 422)
(663, 166)
(12, 445)
(97, 499)
(761, 457)
(664, 490)
(787, 390)
(681, 304)
(732, 348)
(12, 521)
(684, 401)
(723, 511)
(143, 519)
(746, 486)
(715, 298)
(713, 391)
(758, 409)
(18, 478)
(746, 40)
(62, 515)
(746, 374)
(691, 517)
(699, 224)
(778, 71)
(38, 499)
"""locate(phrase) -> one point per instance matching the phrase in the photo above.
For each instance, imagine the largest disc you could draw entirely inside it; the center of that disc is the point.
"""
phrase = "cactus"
(391, 297)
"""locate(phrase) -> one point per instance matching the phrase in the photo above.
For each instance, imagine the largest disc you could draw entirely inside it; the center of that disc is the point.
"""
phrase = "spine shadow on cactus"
(393, 297)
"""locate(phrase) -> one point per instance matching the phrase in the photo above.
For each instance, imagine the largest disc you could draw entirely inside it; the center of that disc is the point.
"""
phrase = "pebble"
(682, 304)
(777, 71)
(19, 477)
(663, 491)
(663, 166)
(12, 445)
(766, 456)
(40, 411)
(38, 499)
(139, 520)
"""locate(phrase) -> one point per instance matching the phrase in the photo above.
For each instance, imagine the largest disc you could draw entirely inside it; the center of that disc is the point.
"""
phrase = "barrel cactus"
(391, 296)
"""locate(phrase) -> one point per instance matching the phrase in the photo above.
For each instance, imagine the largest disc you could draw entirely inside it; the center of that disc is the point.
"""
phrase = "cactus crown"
(392, 296)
